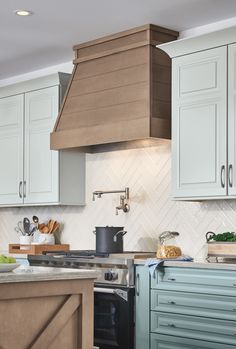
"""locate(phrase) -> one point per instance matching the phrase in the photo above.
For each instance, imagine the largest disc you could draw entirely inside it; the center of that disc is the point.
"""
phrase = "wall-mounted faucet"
(124, 206)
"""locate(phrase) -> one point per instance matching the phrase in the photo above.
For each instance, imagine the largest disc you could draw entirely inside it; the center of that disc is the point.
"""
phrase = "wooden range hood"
(120, 91)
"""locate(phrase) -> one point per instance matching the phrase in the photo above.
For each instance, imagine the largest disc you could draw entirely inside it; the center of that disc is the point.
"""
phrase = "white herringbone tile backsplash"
(146, 172)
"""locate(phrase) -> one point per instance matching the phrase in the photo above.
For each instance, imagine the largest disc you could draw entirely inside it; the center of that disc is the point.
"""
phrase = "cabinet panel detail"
(198, 163)
(194, 327)
(191, 77)
(159, 341)
(41, 163)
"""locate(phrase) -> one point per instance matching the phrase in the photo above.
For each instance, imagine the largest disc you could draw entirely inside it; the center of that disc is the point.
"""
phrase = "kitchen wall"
(147, 172)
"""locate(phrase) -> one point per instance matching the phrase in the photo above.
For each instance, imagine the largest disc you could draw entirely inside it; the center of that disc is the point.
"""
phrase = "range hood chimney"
(120, 91)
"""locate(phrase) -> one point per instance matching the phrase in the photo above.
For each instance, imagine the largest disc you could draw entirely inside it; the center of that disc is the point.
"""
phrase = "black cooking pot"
(109, 239)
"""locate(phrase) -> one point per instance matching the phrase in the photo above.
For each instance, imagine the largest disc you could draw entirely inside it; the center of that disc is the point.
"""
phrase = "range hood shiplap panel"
(110, 99)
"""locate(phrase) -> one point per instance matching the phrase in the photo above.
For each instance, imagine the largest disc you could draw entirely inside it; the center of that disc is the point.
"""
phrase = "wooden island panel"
(54, 314)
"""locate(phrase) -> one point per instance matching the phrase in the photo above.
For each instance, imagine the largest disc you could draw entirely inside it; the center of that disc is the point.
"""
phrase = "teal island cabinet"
(186, 307)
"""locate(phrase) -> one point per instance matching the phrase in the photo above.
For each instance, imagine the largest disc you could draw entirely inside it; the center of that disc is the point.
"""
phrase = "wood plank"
(118, 78)
(124, 33)
(115, 96)
(44, 289)
(161, 73)
(36, 249)
(67, 338)
(160, 128)
(134, 110)
(110, 52)
(101, 134)
(159, 57)
(161, 110)
(112, 63)
(159, 37)
(58, 322)
(25, 318)
(161, 91)
(86, 325)
(119, 43)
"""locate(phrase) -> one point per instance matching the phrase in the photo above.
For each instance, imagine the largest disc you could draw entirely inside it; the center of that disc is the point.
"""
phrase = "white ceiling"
(47, 37)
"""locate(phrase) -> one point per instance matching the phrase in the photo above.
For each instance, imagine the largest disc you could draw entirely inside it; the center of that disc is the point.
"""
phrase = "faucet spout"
(123, 198)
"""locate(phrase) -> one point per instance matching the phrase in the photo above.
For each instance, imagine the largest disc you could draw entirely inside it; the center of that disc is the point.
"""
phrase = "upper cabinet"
(203, 116)
(11, 149)
(31, 173)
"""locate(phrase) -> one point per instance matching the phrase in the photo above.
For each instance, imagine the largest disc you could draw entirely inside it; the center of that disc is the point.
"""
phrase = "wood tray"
(221, 249)
(36, 249)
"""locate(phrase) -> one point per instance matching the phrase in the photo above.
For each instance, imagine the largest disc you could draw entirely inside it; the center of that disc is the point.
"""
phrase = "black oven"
(113, 317)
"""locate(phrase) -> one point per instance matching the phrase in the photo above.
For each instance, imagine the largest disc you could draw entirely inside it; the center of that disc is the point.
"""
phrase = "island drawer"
(210, 281)
(159, 341)
(219, 307)
(199, 328)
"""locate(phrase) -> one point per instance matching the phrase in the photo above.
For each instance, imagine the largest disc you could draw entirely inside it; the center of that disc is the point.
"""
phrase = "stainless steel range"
(113, 292)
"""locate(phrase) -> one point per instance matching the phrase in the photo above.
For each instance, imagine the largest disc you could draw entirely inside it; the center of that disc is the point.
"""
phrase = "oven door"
(113, 317)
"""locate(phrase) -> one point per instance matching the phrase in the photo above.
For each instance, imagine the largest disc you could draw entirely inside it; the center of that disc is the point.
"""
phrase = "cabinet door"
(11, 150)
(199, 124)
(142, 307)
(232, 119)
(41, 183)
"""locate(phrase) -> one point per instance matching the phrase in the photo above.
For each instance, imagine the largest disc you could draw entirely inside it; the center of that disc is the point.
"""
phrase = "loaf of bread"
(168, 251)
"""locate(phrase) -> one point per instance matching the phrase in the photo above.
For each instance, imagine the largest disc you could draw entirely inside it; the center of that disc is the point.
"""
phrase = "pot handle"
(209, 235)
(119, 232)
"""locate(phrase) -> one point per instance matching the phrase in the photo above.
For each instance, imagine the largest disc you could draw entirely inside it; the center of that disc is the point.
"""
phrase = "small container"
(25, 240)
(168, 247)
(46, 239)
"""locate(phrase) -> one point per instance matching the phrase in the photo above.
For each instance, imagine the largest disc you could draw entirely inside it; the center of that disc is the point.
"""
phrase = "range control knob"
(110, 276)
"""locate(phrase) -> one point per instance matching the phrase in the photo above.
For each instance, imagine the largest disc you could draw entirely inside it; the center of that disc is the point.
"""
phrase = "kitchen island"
(46, 308)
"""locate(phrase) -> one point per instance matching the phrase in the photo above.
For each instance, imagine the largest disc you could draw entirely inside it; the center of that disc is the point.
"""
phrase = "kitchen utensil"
(21, 227)
(36, 221)
(109, 239)
(55, 227)
(51, 225)
(18, 230)
(26, 225)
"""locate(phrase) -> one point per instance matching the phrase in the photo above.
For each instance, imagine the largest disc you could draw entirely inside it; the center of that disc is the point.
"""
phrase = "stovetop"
(114, 269)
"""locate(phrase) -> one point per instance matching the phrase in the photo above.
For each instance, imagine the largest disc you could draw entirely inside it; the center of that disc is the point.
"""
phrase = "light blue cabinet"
(31, 173)
(232, 120)
(199, 124)
(142, 300)
(11, 149)
(204, 116)
(190, 308)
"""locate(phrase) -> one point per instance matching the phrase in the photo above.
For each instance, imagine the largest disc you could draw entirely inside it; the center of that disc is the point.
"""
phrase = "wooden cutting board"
(36, 249)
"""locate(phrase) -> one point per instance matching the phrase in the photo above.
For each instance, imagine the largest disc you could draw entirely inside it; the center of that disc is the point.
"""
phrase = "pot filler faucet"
(124, 206)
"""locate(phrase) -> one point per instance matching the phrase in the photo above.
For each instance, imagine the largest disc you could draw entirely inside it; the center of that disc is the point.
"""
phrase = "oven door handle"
(116, 291)
(104, 290)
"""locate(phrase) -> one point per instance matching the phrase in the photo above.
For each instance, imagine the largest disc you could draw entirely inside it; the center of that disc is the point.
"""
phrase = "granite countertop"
(31, 274)
(197, 263)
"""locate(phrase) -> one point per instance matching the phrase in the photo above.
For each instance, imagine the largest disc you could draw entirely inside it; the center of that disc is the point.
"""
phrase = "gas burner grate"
(77, 254)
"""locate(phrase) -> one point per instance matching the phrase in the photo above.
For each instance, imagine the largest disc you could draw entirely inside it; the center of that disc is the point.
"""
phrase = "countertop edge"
(36, 274)
(198, 264)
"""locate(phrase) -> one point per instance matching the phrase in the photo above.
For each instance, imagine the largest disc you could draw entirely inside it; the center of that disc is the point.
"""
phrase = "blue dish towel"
(152, 264)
